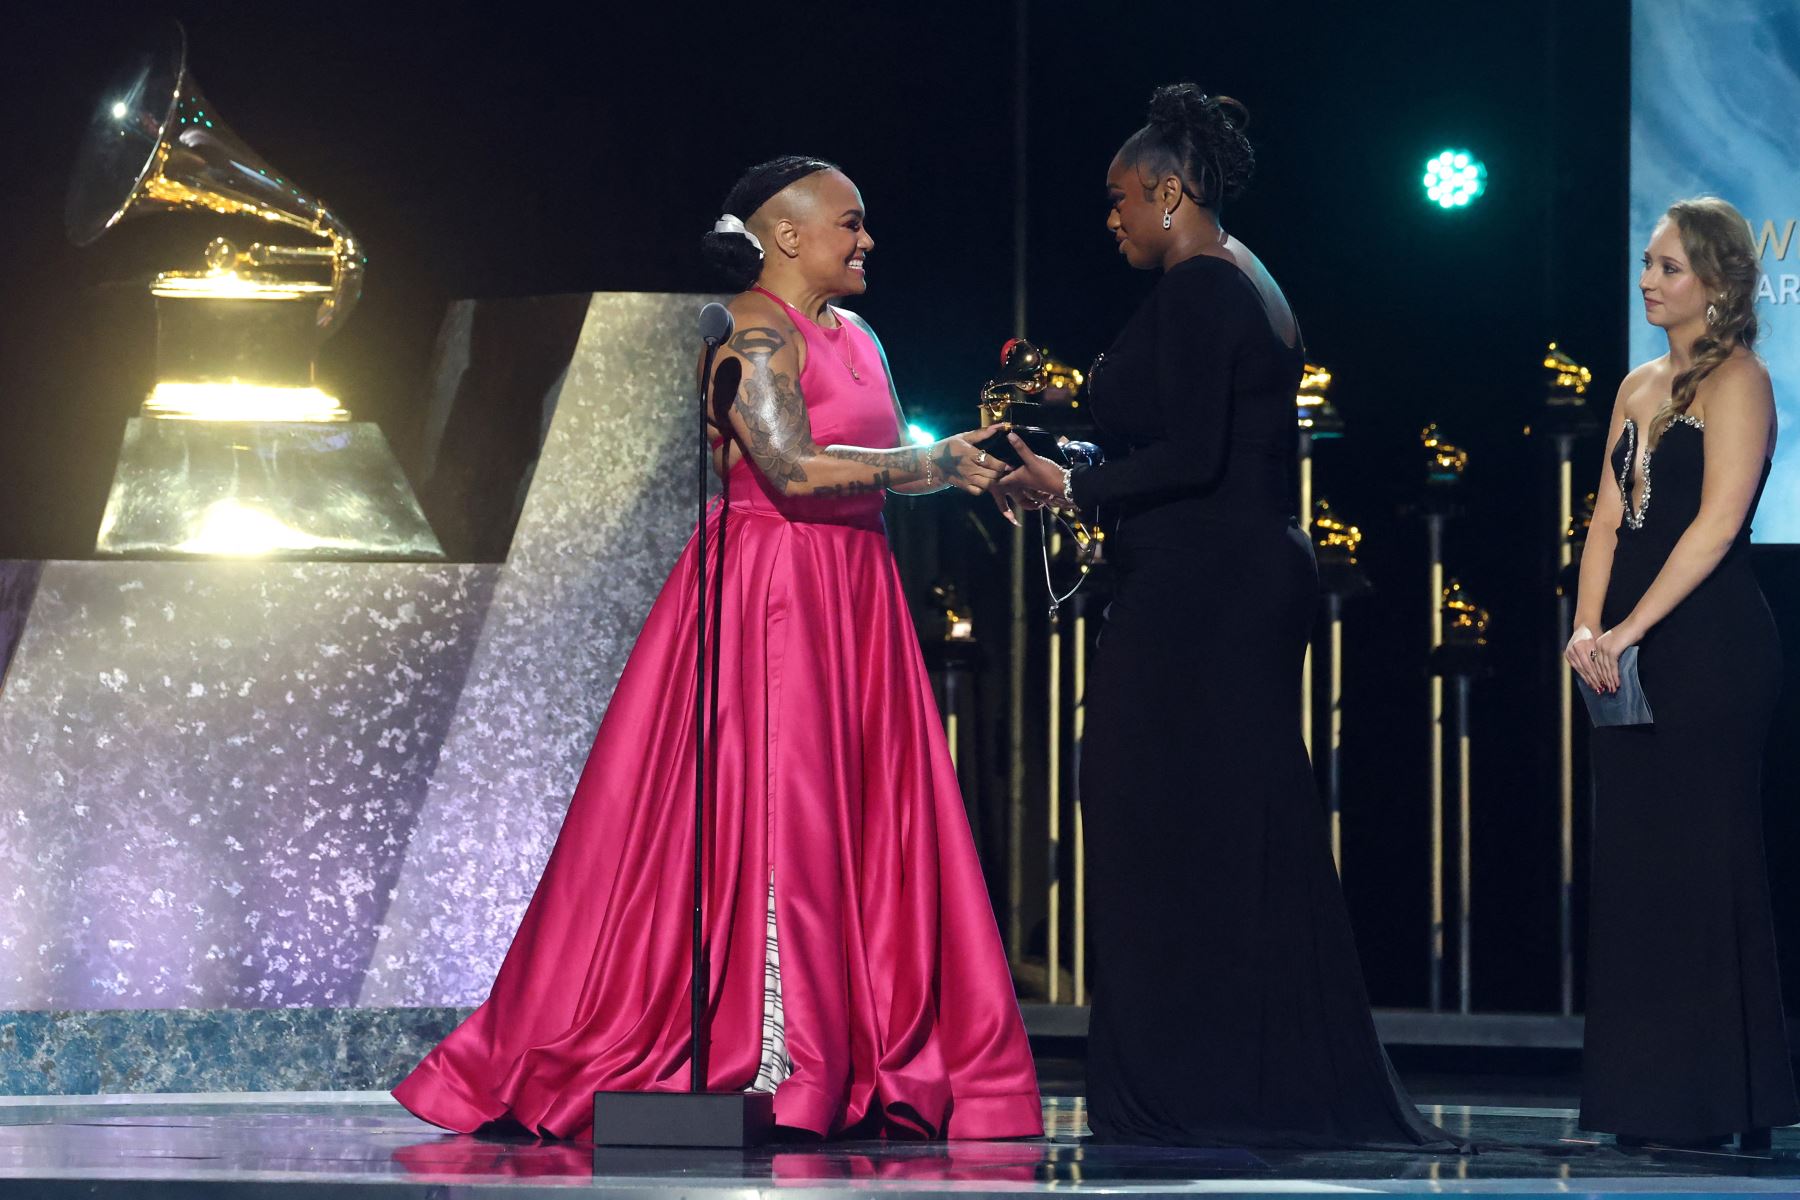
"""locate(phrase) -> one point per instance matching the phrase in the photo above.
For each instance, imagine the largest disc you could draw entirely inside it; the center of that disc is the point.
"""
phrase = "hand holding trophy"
(1040, 458)
(971, 461)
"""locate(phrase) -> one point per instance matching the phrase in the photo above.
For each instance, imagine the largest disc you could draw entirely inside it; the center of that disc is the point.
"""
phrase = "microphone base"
(736, 1120)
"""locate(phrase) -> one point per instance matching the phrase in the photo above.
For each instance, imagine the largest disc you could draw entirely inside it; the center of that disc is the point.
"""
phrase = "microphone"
(716, 323)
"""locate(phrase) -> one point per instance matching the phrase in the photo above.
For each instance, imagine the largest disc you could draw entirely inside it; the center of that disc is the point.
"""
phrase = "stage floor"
(310, 1146)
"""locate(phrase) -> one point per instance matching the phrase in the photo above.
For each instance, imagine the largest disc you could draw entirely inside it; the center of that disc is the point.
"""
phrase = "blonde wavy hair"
(1722, 252)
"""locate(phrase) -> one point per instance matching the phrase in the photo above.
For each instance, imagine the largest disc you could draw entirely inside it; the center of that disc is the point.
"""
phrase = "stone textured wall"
(236, 785)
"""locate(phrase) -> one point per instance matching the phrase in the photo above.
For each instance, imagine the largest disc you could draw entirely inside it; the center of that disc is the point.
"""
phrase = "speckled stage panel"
(324, 785)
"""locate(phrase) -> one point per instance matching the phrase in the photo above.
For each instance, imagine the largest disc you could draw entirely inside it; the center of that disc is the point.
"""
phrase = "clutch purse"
(1628, 705)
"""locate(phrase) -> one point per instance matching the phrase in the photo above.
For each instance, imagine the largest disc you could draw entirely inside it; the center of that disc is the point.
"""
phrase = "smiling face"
(1673, 294)
(1134, 214)
(833, 241)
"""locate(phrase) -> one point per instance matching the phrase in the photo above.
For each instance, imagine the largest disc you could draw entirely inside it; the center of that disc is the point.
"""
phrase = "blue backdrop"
(1715, 89)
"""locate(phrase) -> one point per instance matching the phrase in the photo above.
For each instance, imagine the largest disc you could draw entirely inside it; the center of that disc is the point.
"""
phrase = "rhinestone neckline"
(1636, 521)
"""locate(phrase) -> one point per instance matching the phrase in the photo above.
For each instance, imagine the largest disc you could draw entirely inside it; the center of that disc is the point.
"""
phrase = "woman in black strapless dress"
(1229, 1005)
(1686, 1042)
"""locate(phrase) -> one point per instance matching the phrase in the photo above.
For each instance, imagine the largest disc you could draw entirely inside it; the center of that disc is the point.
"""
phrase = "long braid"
(1722, 253)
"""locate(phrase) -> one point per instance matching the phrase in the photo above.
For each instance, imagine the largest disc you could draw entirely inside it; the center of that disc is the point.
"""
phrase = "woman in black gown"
(1686, 1041)
(1229, 1005)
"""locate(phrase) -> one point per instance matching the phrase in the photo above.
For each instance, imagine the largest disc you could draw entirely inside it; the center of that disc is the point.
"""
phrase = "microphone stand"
(697, 1117)
(698, 984)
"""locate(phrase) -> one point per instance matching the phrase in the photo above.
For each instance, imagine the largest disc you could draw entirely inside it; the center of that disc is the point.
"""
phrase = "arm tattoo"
(780, 436)
(758, 343)
(774, 413)
(947, 466)
(776, 420)
(904, 458)
(880, 483)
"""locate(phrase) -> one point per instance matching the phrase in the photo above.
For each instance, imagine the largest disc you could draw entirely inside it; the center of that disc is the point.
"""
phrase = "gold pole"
(1336, 684)
(1053, 942)
(1435, 527)
(1080, 868)
(1306, 663)
(1567, 415)
(1465, 860)
(1565, 513)
(1015, 756)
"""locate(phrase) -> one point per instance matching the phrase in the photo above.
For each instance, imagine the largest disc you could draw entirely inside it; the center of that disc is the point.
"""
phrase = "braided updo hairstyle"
(1723, 255)
(1199, 138)
(733, 255)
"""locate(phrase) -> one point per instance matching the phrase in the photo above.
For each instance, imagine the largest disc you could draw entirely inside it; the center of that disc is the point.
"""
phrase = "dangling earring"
(1712, 314)
(1168, 217)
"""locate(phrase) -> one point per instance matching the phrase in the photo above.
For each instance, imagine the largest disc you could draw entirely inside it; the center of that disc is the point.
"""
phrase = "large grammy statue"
(236, 450)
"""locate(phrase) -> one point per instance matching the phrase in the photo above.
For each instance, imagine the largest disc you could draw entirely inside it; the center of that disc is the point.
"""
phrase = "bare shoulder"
(1643, 373)
(857, 319)
(1644, 389)
(763, 328)
(1275, 304)
(1744, 369)
(757, 308)
(1739, 386)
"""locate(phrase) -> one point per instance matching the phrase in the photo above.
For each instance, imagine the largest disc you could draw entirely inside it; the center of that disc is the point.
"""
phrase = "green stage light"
(920, 437)
(1455, 179)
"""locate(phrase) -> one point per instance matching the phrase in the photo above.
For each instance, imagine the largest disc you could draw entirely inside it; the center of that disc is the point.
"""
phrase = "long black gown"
(1685, 1033)
(1229, 1006)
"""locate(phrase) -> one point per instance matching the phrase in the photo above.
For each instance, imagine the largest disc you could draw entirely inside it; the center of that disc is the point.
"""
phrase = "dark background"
(523, 149)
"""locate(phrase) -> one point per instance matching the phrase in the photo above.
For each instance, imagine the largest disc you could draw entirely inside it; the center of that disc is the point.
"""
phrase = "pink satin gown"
(855, 964)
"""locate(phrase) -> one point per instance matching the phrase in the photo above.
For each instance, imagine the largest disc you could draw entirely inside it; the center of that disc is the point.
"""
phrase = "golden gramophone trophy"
(236, 451)
(1013, 397)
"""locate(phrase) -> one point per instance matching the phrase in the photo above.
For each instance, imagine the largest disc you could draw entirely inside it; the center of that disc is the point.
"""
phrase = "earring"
(1712, 314)
(1168, 217)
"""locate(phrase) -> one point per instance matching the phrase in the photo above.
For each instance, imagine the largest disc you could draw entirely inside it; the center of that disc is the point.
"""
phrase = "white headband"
(731, 224)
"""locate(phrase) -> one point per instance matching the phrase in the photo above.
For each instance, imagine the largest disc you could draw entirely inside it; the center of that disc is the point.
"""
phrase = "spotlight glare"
(231, 528)
(119, 110)
(242, 402)
(920, 437)
(1454, 179)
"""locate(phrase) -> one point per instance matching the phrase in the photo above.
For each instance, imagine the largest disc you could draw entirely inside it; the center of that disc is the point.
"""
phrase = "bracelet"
(930, 471)
(1069, 487)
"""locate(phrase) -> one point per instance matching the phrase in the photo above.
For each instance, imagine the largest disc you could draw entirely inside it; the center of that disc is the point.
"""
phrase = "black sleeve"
(1199, 328)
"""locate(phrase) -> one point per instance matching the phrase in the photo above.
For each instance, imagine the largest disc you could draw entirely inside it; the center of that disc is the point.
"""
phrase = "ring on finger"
(981, 459)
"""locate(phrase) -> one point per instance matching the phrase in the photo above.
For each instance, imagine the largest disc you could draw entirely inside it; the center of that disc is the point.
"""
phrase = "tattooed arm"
(769, 420)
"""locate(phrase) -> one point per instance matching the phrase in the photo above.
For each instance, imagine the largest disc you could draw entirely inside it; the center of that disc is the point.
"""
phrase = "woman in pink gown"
(855, 967)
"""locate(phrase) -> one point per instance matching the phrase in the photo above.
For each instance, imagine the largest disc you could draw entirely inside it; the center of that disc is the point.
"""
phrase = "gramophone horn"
(1021, 366)
(155, 144)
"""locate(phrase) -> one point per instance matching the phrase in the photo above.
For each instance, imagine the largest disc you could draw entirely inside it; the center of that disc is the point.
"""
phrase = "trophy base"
(282, 490)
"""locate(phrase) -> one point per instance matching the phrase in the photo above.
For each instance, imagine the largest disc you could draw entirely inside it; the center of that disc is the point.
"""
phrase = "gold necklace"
(849, 357)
